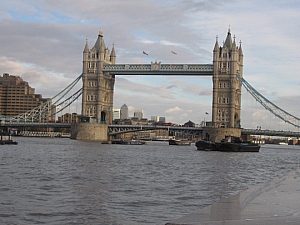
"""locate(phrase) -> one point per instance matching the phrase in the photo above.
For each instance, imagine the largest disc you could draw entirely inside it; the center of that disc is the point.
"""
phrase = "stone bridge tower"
(227, 63)
(98, 86)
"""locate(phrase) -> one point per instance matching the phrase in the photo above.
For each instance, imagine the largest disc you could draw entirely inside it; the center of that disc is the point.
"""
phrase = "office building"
(124, 112)
(138, 114)
(162, 119)
(116, 114)
(154, 118)
(17, 97)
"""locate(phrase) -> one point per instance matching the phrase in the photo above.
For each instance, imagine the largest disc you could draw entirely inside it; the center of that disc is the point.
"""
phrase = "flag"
(145, 53)
(174, 53)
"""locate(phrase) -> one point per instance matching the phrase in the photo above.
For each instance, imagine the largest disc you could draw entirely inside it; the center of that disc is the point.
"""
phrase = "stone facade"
(98, 87)
(89, 131)
(217, 134)
(227, 63)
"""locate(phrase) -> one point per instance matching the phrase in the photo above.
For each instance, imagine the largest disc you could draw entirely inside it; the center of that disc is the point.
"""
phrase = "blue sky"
(42, 41)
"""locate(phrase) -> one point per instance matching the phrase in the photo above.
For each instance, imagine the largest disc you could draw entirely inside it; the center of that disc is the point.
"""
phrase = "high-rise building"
(17, 97)
(124, 112)
(162, 119)
(116, 114)
(154, 118)
(138, 114)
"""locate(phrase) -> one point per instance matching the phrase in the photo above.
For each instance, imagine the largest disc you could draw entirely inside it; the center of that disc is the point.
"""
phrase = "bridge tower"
(97, 93)
(98, 87)
(227, 63)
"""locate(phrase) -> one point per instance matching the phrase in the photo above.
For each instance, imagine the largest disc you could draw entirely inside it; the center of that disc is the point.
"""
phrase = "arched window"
(103, 117)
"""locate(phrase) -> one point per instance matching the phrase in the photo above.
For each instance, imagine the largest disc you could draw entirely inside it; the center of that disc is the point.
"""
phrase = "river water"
(62, 181)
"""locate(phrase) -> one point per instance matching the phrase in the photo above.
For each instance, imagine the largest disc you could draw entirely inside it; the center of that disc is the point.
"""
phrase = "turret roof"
(86, 48)
(99, 45)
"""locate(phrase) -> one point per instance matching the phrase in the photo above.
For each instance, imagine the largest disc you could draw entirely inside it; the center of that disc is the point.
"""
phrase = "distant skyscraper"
(162, 119)
(138, 114)
(116, 114)
(154, 118)
(124, 112)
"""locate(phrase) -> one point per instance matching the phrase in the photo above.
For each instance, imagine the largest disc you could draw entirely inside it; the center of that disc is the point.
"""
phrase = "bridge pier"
(217, 134)
(89, 131)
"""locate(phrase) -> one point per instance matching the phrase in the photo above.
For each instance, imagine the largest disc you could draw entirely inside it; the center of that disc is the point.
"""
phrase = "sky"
(42, 41)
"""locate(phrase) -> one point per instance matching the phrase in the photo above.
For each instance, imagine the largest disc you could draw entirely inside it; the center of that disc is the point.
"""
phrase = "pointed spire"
(100, 32)
(216, 48)
(113, 53)
(99, 45)
(240, 48)
(228, 41)
(86, 48)
(233, 44)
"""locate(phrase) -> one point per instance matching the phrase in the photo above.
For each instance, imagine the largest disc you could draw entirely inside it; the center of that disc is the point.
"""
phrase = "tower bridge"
(98, 78)
(100, 69)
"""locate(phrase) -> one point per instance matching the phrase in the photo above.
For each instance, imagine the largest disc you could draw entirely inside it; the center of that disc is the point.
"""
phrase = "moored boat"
(179, 142)
(128, 142)
(205, 145)
(229, 144)
(6, 139)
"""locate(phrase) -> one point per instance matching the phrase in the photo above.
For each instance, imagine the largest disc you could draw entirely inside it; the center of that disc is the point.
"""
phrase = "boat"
(205, 145)
(179, 142)
(128, 142)
(6, 139)
(229, 144)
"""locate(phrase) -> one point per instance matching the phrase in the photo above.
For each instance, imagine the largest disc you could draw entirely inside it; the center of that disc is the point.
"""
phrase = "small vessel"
(179, 142)
(229, 144)
(6, 139)
(206, 145)
(128, 142)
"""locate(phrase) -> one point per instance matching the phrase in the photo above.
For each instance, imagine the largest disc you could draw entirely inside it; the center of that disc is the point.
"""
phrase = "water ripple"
(62, 181)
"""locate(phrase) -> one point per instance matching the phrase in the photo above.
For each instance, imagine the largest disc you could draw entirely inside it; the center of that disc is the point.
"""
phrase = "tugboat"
(229, 144)
(6, 139)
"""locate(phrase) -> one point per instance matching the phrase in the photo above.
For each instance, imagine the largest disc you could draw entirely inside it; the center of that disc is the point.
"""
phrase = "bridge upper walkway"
(159, 69)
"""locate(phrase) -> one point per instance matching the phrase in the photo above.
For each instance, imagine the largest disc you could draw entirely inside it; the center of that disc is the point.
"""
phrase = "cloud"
(176, 109)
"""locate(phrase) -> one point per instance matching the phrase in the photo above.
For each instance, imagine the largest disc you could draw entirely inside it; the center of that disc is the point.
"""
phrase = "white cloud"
(176, 109)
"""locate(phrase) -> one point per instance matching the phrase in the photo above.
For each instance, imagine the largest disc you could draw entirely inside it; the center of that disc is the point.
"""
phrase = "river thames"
(62, 181)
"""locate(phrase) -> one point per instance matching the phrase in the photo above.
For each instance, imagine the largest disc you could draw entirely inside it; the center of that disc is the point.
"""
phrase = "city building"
(154, 118)
(162, 119)
(116, 114)
(124, 112)
(17, 97)
(68, 118)
(138, 114)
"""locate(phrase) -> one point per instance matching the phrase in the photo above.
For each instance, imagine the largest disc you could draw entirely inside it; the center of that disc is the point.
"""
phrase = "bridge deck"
(159, 69)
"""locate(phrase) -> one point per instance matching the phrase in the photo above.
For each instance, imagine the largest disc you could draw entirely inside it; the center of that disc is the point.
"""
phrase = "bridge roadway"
(119, 129)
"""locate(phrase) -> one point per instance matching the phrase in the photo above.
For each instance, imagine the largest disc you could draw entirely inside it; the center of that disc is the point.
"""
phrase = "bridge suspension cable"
(51, 107)
(271, 107)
